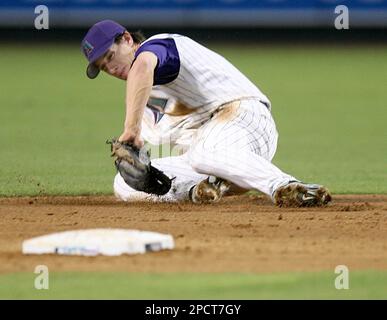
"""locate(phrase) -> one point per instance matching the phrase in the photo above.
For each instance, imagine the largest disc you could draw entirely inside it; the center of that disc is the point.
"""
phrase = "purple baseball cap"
(97, 41)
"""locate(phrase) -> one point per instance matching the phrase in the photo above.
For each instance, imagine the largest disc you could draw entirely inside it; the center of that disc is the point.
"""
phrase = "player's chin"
(120, 76)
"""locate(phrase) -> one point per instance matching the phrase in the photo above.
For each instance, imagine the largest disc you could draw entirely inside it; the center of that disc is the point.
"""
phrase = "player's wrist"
(134, 131)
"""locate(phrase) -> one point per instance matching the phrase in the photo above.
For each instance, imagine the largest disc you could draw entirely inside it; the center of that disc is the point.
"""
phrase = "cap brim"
(92, 71)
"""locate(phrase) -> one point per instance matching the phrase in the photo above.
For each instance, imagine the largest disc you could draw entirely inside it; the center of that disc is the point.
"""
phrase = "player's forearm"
(139, 86)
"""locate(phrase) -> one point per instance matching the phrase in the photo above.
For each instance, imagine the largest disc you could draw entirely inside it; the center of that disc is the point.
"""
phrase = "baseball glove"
(135, 167)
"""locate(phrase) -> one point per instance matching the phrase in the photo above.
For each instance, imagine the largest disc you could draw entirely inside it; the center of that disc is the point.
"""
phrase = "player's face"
(118, 59)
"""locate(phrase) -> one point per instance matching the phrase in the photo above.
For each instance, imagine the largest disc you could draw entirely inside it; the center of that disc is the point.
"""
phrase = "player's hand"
(131, 136)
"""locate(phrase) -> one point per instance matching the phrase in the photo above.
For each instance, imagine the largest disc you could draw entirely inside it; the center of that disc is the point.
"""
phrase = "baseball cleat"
(209, 190)
(299, 194)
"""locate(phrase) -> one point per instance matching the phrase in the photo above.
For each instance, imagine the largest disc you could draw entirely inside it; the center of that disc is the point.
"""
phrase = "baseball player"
(182, 93)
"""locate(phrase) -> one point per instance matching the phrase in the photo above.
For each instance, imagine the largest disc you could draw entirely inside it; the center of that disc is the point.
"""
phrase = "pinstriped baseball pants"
(236, 144)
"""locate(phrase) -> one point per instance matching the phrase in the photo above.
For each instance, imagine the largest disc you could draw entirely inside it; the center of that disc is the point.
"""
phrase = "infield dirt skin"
(239, 234)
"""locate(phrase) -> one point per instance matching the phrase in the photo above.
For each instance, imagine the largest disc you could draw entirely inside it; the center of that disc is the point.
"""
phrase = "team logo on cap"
(87, 48)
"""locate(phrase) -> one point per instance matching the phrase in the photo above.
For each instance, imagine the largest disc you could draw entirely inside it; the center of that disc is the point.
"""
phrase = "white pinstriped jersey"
(205, 82)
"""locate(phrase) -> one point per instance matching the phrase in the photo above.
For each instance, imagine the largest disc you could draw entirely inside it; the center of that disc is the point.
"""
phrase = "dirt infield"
(243, 234)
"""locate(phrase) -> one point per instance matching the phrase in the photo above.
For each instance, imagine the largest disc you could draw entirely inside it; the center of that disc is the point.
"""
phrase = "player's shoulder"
(162, 36)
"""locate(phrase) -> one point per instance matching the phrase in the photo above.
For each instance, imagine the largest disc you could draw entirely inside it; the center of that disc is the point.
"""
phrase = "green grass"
(329, 105)
(362, 285)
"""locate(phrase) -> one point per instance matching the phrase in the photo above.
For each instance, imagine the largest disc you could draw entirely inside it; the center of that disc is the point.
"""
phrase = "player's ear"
(128, 38)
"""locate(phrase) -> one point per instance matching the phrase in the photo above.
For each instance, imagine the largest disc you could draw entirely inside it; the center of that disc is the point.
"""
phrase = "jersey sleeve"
(168, 64)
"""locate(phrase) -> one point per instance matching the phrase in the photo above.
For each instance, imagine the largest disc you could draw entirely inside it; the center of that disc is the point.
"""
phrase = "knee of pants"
(124, 192)
(195, 157)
